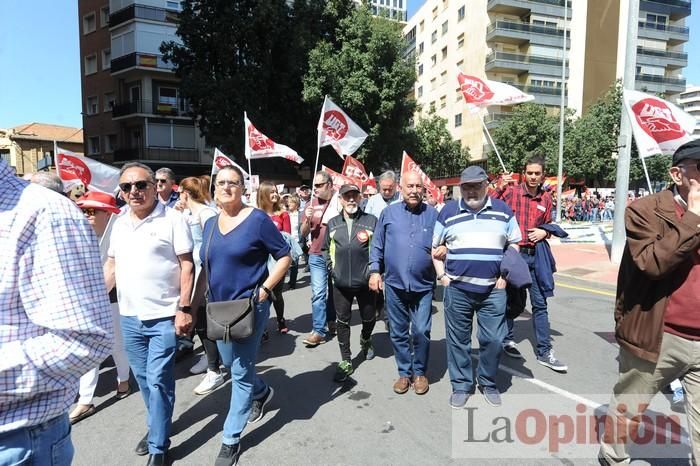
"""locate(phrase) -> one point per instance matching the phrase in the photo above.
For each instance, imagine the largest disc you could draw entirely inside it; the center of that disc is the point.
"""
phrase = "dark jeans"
(343, 298)
(490, 310)
(278, 302)
(409, 311)
(293, 273)
(210, 348)
(540, 317)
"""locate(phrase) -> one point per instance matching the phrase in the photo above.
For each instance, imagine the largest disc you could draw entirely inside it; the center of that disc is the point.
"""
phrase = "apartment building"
(133, 106)
(394, 9)
(521, 42)
(689, 100)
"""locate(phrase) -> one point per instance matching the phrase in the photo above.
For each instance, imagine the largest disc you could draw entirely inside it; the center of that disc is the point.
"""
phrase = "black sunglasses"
(320, 185)
(161, 180)
(89, 211)
(139, 185)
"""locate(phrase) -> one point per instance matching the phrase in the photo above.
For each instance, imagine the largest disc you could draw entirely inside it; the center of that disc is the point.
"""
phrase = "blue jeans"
(540, 317)
(46, 444)
(322, 309)
(460, 307)
(240, 356)
(406, 309)
(150, 347)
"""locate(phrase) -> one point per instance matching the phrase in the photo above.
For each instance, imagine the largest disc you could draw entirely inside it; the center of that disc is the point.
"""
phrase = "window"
(90, 64)
(460, 13)
(458, 95)
(443, 101)
(173, 5)
(432, 106)
(443, 77)
(433, 37)
(108, 101)
(445, 4)
(106, 59)
(110, 143)
(432, 84)
(657, 19)
(444, 28)
(433, 59)
(421, 47)
(460, 41)
(420, 91)
(89, 23)
(104, 16)
(422, 26)
(420, 70)
(167, 96)
(434, 12)
(460, 64)
(92, 105)
(444, 52)
(93, 145)
(458, 120)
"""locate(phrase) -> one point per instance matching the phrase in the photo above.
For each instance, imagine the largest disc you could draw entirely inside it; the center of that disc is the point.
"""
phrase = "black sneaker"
(257, 408)
(142, 447)
(228, 455)
(511, 349)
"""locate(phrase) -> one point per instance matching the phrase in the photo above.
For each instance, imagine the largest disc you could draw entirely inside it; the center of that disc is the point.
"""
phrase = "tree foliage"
(365, 72)
(432, 147)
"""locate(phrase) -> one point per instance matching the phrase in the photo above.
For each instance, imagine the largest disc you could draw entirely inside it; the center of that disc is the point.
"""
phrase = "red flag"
(95, 176)
(259, 146)
(408, 165)
(479, 93)
(336, 128)
(221, 160)
(353, 168)
(338, 179)
(371, 181)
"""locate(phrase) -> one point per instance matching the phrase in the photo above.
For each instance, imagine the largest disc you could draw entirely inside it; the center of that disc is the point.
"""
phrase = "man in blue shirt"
(401, 249)
(475, 231)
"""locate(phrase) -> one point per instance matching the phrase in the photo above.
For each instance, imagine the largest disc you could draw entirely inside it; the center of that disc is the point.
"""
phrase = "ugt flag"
(335, 128)
(259, 146)
(408, 165)
(353, 168)
(659, 127)
(338, 179)
(479, 93)
(221, 160)
(95, 176)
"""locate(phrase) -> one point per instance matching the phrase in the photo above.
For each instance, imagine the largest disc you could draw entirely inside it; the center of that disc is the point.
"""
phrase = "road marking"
(589, 290)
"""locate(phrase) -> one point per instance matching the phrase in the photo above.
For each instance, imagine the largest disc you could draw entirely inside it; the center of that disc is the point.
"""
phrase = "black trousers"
(343, 298)
(210, 348)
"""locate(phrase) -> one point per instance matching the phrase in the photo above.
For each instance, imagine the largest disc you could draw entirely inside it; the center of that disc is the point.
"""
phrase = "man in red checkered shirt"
(532, 206)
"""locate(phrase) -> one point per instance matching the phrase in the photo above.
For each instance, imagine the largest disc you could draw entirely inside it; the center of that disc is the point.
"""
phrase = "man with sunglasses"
(657, 309)
(165, 180)
(150, 261)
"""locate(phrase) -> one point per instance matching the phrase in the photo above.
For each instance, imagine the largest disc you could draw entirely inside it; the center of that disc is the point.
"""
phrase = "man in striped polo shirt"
(474, 232)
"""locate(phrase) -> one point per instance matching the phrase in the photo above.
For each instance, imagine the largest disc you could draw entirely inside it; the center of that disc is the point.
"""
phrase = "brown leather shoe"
(402, 385)
(421, 385)
(313, 339)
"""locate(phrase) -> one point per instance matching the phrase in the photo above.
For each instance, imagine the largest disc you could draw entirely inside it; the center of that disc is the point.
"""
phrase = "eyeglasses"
(320, 185)
(234, 184)
(139, 185)
(89, 211)
(161, 180)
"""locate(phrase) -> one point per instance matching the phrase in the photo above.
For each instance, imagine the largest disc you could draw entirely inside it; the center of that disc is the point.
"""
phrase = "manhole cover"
(578, 271)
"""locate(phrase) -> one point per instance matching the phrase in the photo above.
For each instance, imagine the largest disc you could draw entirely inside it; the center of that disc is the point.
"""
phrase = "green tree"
(244, 55)
(365, 71)
(433, 148)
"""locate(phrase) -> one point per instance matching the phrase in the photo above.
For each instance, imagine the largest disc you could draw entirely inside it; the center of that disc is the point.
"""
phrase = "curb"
(574, 280)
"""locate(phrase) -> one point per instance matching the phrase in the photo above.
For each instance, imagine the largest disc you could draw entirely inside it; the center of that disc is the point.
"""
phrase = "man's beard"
(351, 209)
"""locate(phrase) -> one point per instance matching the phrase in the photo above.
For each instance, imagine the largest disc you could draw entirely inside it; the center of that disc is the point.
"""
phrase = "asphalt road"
(313, 420)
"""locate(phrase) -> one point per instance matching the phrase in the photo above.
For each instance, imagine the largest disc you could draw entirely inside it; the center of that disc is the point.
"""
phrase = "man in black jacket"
(346, 248)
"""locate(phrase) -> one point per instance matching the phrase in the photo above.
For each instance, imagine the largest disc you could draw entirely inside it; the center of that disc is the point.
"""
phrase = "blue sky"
(40, 77)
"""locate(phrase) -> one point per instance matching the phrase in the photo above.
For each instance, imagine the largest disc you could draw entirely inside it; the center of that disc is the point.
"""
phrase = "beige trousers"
(639, 381)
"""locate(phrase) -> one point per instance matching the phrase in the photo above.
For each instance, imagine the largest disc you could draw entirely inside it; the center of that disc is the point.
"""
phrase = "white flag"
(94, 175)
(335, 128)
(659, 127)
(221, 160)
(480, 93)
(259, 146)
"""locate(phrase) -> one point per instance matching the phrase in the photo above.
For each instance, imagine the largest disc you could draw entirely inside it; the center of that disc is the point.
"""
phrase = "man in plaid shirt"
(532, 206)
(56, 321)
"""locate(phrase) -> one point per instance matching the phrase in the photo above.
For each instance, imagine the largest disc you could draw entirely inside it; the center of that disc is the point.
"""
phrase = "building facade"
(25, 146)
(521, 42)
(689, 100)
(394, 9)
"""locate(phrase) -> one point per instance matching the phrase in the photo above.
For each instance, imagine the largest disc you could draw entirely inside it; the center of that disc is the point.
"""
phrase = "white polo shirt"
(146, 265)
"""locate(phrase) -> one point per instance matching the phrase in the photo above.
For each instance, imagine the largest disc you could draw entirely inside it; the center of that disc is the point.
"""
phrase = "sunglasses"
(161, 180)
(320, 185)
(139, 185)
(89, 211)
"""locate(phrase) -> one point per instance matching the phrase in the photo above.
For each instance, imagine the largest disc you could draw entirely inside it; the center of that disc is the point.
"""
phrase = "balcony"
(142, 12)
(674, 9)
(673, 34)
(513, 32)
(661, 58)
(659, 84)
(493, 119)
(179, 108)
(141, 60)
(155, 154)
(504, 61)
(523, 7)
(543, 94)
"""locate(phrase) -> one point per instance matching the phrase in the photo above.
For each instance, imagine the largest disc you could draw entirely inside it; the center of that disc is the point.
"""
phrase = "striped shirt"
(56, 320)
(475, 242)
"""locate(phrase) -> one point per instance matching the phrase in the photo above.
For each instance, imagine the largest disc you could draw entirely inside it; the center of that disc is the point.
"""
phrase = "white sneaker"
(200, 367)
(209, 383)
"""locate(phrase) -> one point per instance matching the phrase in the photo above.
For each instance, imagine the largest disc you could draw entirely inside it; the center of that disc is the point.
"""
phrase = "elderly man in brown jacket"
(657, 309)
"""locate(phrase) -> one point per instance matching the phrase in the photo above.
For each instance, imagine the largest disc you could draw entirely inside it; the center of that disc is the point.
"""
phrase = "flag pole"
(646, 174)
(488, 135)
(318, 148)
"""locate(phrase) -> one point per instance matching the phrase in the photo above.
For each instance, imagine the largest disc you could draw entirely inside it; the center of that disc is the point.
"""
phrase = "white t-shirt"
(146, 265)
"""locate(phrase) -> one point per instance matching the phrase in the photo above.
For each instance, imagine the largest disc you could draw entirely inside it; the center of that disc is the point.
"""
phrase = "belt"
(529, 250)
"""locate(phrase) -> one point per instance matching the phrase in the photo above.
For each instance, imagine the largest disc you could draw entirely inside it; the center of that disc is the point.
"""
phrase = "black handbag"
(228, 320)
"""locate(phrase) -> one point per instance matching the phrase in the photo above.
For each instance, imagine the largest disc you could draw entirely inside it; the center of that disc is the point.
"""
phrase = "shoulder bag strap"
(206, 252)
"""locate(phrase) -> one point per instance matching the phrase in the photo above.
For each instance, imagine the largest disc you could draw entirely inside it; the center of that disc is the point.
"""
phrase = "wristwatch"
(441, 276)
(185, 309)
